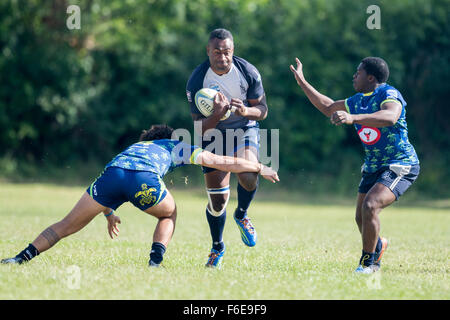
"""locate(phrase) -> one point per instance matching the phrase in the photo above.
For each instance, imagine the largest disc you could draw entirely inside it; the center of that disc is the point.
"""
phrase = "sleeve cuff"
(391, 100)
(194, 155)
(346, 106)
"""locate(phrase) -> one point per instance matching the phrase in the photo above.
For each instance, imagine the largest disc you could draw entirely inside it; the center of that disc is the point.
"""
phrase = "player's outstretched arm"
(323, 103)
(236, 165)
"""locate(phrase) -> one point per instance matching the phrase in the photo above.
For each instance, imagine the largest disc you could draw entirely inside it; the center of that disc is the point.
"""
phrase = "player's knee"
(248, 180)
(370, 206)
(218, 202)
(218, 199)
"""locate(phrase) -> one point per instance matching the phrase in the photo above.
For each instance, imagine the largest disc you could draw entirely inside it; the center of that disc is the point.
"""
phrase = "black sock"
(216, 226)
(244, 199)
(367, 258)
(156, 255)
(28, 253)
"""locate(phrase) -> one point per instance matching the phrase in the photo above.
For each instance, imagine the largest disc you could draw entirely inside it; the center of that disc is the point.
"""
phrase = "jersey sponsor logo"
(214, 86)
(369, 135)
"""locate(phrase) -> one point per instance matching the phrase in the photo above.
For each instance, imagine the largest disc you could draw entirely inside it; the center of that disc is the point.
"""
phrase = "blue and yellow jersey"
(158, 156)
(387, 145)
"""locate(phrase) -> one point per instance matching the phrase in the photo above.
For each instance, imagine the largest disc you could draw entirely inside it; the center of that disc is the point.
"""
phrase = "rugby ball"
(204, 100)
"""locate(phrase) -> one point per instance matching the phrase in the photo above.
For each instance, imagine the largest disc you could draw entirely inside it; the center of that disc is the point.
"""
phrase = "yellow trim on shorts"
(161, 190)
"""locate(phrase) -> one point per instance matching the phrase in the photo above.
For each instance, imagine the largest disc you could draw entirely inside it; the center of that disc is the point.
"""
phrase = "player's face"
(220, 53)
(360, 79)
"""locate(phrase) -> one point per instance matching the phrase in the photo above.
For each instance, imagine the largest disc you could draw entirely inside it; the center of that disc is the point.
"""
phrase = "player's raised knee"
(248, 180)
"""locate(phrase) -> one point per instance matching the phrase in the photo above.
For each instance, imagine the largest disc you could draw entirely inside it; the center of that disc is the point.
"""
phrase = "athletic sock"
(216, 226)
(244, 199)
(157, 252)
(28, 253)
(367, 258)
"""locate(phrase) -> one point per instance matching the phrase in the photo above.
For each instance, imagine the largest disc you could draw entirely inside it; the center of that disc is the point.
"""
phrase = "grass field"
(304, 251)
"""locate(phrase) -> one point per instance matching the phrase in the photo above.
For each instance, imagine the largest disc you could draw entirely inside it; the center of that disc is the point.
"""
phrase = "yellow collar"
(368, 94)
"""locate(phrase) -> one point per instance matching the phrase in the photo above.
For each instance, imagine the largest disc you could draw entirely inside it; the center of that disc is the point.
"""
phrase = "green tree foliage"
(82, 95)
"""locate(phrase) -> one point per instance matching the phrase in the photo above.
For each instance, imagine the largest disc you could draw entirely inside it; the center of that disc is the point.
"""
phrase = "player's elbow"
(264, 114)
(391, 120)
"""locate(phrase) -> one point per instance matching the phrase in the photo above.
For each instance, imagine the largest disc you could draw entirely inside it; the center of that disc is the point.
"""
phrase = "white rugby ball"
(204, 100)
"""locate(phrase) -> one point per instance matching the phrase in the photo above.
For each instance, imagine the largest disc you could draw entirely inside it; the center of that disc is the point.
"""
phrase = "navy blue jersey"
(243, 82)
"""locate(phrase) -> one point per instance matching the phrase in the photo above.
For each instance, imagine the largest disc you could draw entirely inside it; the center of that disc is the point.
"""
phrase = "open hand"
(113, 220)
(298, 72)
(269, 174)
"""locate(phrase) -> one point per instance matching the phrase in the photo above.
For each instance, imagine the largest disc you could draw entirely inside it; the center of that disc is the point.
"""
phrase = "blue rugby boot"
(215, 259)
(248, 232)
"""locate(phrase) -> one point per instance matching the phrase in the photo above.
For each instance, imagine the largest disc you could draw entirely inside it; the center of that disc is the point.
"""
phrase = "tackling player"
(135, 175)
(391, 165)
(240, 82)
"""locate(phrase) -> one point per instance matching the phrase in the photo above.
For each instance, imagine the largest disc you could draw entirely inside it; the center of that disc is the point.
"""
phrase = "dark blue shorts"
(232, 141)
(398, 178)
(116, 185)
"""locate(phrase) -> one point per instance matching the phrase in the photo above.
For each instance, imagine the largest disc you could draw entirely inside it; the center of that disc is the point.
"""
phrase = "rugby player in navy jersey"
(135, 175)
(240, 83)
(377, 111)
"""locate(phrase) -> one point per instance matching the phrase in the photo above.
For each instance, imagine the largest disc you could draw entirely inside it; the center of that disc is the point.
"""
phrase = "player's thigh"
(248, 153)
(378, 197)
(82, 213)
(248, 180)
(217, 179)
(165, 208)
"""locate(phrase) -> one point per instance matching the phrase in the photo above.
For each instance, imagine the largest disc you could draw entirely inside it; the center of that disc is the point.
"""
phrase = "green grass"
(304, 251)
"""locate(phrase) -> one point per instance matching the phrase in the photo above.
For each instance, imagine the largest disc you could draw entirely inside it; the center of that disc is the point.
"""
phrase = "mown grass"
(305, 250)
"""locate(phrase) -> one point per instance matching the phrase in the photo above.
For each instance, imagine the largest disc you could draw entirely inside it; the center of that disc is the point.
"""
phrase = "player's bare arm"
(221, 106)
(324, 104)
(256, 111)
(236, 165)
(386, 117)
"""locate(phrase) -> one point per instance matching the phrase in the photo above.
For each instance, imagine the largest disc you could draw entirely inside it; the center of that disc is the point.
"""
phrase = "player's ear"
(371, 78)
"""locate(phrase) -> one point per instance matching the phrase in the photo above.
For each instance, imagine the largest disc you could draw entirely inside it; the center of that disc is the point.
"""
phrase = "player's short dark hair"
(221, 34)
(156, 132)
(376, 67)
